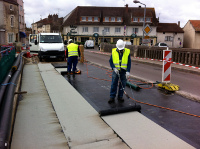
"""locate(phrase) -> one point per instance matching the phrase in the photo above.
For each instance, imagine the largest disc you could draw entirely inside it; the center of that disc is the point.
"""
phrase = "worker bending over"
(120, 62)
(73, 52)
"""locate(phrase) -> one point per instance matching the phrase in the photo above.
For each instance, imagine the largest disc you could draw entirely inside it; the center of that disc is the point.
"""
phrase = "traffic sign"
(146, 40)
(147, 29)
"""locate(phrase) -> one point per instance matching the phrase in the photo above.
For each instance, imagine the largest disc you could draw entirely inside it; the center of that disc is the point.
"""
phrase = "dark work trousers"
(72, 60)
(114, 84)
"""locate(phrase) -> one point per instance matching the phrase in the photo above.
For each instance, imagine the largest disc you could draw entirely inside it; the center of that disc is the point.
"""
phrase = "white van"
(89, 44)
(48, 45)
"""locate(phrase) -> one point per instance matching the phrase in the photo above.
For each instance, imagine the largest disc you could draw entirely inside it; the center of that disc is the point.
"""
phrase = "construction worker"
(73, 52)
(120, 62)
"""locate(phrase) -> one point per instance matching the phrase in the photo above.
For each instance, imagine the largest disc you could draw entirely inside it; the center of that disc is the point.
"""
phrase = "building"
(52, 24)
(171, 34)
(192, 34)
(22, 25)
(9, 24)
(109, 24)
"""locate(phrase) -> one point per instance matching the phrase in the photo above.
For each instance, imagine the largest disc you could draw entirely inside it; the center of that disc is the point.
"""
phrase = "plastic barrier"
(6, 61)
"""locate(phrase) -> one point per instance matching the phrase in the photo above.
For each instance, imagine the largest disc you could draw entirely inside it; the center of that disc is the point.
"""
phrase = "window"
(106, 19)
(12, 21)
(22, 19)
(11, 7)
(141, 19)
(96, 29)
(119, 19)
(117, 29)
(135, 30)
(83, 18)
(168, 38)
(10, 37)
(135, 19)
(21, 8)
(90, 19)
(107, 29)
(96, 19)
(112, 19)
(85, 29)
(148, 19)
(33, 38)
(51, 38)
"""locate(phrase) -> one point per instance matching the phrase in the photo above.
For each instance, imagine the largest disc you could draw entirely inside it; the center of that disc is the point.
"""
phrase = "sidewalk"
(82, 127)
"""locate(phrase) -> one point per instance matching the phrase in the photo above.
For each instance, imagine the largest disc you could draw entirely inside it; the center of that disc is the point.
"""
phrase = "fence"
(180, 55)
(7, 58)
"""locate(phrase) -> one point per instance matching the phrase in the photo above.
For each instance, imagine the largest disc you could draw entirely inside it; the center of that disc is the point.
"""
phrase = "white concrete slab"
(36, 125)
(81, 123)
(139, 132)
(115, 143)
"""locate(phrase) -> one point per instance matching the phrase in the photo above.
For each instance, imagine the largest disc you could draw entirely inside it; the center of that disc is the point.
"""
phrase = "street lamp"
(136, 1)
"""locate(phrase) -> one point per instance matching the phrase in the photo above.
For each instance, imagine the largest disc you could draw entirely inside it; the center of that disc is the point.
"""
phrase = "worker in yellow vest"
(120, 62)
(73, 52)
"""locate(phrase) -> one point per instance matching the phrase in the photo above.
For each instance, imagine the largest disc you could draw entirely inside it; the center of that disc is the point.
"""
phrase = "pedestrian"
(73, 52)
(120, 62)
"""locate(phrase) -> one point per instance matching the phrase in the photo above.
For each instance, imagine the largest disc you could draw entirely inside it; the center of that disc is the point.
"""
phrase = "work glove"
(116, 71)
(127, 75)
(79, 58)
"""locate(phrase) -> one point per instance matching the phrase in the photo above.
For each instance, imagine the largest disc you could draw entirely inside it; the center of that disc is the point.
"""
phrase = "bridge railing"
(180, 55)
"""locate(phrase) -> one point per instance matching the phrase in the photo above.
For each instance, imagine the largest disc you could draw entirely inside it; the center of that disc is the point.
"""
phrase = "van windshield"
(50, 39)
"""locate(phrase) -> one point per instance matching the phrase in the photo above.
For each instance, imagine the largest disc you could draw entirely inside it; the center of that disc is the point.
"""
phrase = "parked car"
(127, 43)
(161, 44)
(89, 44)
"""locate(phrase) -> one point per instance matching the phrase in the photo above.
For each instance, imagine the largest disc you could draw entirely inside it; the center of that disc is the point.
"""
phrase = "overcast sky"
(169, 11)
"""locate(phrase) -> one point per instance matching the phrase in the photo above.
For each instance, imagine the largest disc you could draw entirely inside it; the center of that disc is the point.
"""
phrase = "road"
(188, 82)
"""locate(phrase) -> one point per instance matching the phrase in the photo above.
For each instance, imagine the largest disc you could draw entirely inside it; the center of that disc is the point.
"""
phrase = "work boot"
(120, 99)
(68, 74)
(111, 100)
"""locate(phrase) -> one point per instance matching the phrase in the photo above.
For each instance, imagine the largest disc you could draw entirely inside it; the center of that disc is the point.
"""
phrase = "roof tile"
(75, 15)
(169, 27)
(196, 24)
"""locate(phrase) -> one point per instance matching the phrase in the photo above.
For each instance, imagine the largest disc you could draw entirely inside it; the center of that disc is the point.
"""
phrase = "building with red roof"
(192, 34)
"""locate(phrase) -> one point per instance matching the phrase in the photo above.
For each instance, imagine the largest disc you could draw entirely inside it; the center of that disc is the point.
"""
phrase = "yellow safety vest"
(72, 49)
(124, 61)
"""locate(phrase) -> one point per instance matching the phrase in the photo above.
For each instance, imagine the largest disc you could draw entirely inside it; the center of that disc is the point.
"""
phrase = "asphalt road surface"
(188, 82)
(96, 91)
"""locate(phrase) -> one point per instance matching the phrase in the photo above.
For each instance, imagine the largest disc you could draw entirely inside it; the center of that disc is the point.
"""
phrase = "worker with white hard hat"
(73, 52)
(120, 62)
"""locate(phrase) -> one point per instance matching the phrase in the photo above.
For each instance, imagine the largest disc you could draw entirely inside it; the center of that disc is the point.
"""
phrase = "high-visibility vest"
(72, 49)
(124, 61)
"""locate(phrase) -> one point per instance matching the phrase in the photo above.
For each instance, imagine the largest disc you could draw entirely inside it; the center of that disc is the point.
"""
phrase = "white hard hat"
(120, 44)
(70, 40)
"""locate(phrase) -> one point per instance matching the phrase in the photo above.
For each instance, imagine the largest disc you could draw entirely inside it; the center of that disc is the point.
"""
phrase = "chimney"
(179, 23)
(126, 7)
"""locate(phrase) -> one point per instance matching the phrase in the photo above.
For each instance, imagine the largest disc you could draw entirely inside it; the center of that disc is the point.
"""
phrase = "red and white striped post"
(166, 72)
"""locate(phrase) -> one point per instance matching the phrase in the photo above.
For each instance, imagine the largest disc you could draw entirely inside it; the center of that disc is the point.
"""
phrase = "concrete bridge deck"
(54, 115)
